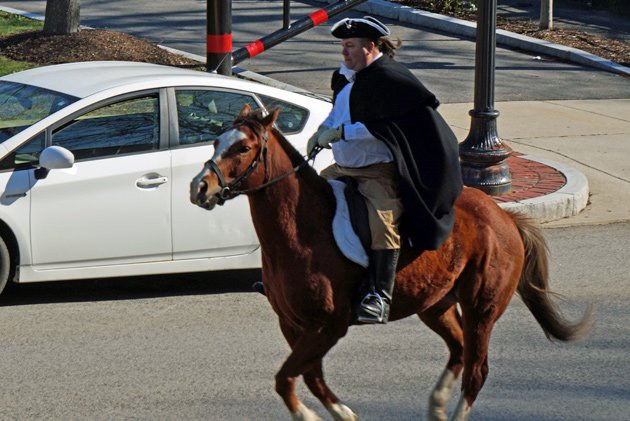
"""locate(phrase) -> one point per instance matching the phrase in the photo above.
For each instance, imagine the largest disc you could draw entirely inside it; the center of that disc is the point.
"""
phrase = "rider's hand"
(323, 137)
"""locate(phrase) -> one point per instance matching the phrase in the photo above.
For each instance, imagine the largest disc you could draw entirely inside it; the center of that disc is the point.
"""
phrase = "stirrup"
(366, 314)
(259, 287)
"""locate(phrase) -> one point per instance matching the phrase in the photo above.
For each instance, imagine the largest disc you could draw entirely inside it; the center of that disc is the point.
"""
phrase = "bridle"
(230, 190)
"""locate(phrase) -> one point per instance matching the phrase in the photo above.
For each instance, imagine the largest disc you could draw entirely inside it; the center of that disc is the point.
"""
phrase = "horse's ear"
(271, 118)
(244, 112)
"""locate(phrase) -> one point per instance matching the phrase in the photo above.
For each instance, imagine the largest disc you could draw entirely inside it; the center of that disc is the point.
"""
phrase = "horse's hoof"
(341, 412)
(304, 414)
(437, 415)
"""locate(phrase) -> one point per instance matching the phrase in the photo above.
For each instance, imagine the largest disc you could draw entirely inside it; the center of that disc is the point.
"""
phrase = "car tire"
(5, 264)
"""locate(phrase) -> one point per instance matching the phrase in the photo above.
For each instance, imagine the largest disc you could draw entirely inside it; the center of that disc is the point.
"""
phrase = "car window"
(204, 114)
(24, 105)
(292, 117)
(26, 156)
(128, 126)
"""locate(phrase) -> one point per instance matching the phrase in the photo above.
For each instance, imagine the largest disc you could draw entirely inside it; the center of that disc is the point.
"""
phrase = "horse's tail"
(534, 290)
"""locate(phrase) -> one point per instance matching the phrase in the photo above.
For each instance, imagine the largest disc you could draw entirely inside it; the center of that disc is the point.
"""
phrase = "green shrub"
(454, 7)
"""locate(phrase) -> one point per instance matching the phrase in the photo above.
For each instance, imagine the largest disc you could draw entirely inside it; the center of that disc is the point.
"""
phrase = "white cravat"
(347, 72)
(359, 148)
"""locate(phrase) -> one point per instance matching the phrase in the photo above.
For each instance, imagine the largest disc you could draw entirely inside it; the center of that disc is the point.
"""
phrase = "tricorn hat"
(366, 27)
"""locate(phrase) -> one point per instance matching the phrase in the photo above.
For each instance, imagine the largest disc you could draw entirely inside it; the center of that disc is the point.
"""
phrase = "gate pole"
(316, 18)
(219, 37)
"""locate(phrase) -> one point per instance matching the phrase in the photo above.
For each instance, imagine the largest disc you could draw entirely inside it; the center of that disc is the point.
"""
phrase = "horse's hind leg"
(444, 320)
(475, 367)
(480, 311)
(314, 379)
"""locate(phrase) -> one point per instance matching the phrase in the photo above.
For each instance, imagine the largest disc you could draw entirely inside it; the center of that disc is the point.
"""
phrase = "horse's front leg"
(308, 349)
(314, 379)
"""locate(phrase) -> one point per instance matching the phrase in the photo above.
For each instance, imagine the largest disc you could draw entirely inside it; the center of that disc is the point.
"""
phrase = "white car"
(96, 160)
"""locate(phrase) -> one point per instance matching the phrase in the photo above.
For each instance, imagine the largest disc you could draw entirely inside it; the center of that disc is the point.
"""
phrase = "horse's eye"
(244, 149)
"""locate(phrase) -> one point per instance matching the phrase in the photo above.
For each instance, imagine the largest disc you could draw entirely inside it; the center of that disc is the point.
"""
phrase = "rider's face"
(356, 52)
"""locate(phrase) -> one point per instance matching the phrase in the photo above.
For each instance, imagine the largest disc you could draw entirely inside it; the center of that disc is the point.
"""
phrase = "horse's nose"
(198, 192)
(203, 188)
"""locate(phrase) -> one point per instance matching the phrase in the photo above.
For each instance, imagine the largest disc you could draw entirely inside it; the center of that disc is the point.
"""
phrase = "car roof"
(83, 79)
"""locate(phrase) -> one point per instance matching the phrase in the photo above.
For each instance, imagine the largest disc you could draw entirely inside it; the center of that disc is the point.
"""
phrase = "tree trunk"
(62, 17)
(546, 14)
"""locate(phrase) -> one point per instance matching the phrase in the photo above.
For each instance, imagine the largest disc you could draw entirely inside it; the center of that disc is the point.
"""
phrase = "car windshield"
(24, 105)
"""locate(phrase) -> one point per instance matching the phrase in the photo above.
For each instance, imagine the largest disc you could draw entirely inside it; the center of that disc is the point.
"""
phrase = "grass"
(11, 24)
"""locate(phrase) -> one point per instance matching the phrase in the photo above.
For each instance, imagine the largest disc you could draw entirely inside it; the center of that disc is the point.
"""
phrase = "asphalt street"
(197, 347)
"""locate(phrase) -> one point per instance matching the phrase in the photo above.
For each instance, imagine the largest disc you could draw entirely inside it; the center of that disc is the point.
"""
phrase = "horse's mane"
(306, 171)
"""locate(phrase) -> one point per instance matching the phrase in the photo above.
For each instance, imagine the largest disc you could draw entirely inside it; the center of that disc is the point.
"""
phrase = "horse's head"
(234, 167)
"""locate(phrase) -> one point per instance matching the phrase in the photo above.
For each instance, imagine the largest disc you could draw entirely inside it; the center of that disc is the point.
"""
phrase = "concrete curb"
(21, 13)
(568, 201)
(416, 17)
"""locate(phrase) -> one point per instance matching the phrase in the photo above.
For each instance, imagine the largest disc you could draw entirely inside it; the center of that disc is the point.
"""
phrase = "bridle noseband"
(229, 190)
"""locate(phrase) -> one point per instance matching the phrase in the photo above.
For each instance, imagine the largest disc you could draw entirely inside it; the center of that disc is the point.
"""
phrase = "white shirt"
(358, 148)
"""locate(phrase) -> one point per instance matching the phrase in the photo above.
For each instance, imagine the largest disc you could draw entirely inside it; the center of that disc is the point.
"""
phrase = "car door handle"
(150, 182)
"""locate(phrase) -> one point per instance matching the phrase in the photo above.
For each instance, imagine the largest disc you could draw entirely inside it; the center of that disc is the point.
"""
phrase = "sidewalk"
(570, 158)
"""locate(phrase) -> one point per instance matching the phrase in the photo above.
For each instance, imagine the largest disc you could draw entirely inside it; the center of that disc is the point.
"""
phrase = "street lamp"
(483, 155)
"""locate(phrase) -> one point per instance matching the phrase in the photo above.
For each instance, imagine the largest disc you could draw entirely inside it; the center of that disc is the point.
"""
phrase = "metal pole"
(297, 27)
(286, 14)
(219, 37)
(546, 14)
(483, 155)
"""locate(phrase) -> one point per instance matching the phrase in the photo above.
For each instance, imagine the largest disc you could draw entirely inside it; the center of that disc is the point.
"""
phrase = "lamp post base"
(494, 180)
(483, 155)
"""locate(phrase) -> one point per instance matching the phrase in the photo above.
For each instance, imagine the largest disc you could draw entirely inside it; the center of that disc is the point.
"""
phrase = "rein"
(228, 190)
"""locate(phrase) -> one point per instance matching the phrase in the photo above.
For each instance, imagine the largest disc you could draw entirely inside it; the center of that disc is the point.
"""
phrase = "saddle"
(350, 225)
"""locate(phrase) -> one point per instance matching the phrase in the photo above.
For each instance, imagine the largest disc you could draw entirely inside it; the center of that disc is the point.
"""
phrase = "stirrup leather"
(367, 313)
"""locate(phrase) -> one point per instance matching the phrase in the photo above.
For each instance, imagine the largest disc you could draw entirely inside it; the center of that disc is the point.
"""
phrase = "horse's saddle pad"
(350, 207)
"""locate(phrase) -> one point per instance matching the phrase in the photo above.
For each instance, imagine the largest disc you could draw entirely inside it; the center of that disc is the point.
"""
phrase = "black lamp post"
(483, 155)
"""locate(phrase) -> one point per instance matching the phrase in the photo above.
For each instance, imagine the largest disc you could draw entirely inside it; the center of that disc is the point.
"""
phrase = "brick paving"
(531, 179)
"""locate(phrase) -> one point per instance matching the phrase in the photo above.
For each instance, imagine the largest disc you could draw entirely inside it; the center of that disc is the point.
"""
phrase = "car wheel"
(5, 264)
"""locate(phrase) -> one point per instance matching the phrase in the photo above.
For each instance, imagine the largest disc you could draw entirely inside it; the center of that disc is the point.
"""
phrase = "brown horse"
(490, 254)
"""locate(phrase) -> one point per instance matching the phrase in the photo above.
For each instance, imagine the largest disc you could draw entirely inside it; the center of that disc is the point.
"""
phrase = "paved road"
(189, 348)
(445, 63)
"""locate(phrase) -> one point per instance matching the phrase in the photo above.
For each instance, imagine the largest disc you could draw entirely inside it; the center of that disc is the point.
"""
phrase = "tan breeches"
(379, 185)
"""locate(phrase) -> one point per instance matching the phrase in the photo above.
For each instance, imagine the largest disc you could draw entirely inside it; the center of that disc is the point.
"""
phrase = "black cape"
(397, 109)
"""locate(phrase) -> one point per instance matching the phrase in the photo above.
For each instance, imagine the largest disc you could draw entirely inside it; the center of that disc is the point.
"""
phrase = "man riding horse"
(386, 134)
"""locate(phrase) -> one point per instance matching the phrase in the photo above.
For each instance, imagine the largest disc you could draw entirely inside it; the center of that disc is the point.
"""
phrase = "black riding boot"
(374, 307)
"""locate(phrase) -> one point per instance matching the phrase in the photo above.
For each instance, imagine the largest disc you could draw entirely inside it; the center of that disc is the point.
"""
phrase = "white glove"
(323, 137)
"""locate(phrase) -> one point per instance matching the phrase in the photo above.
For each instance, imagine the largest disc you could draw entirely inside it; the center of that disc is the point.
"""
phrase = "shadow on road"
(130, 288)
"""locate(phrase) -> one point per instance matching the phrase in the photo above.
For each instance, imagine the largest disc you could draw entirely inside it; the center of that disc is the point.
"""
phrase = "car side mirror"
(53, 158)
